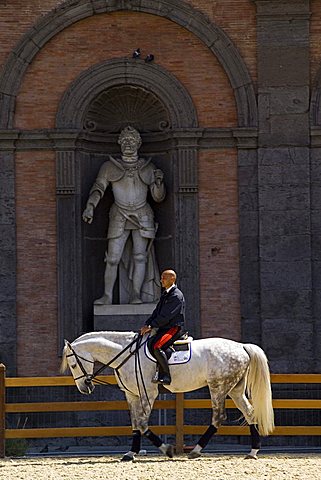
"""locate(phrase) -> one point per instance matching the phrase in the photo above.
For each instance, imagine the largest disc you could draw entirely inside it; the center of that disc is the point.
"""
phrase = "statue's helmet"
(130, 132)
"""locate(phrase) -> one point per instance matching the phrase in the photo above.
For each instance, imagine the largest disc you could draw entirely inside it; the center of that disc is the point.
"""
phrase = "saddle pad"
(177, 358)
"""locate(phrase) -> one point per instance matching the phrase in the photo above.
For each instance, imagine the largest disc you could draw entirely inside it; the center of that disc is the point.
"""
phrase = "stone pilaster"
(8, 328)
(69, 246)
(284, 184)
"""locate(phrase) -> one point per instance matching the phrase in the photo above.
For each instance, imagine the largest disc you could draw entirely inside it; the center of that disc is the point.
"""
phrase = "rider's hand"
(145, 329)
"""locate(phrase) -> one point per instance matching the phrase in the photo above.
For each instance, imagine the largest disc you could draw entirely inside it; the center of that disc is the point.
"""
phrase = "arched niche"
(98, 104)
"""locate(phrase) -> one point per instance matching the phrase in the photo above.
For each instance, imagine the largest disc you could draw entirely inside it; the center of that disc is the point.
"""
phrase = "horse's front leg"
(140, 411)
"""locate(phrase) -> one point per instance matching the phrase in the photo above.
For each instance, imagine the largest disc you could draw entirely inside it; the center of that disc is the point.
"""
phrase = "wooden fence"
(179, 404)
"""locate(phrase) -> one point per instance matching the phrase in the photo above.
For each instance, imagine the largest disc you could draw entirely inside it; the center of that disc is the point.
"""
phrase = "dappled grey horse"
(226, 367)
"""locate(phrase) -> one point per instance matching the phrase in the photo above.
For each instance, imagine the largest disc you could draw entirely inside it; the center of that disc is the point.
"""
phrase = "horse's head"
(81, 365)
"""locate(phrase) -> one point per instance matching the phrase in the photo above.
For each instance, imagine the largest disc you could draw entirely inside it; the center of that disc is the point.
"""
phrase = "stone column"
(8, 329)
(69, 247)
(186, 233)
(284, 184)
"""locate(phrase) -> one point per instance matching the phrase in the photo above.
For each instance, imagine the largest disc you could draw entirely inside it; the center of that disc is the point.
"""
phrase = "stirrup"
(165, 379)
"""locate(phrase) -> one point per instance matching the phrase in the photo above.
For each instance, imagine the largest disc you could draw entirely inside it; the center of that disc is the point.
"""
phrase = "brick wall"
(36, 263)
(99, 38)
(219, 244)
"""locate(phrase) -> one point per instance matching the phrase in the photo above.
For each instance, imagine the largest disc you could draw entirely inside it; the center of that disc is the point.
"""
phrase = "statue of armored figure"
(132, 229)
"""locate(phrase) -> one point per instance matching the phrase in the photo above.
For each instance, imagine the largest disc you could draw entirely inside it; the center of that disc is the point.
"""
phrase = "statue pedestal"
(124, 318)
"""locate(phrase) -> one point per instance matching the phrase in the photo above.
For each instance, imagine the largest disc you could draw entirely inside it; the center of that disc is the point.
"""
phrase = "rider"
(168, 318)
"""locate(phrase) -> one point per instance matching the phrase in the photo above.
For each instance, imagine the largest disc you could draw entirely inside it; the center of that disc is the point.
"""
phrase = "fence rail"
(179, 404)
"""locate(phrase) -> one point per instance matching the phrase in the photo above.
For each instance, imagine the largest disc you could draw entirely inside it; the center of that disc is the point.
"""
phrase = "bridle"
(93, 377)
(78, 358)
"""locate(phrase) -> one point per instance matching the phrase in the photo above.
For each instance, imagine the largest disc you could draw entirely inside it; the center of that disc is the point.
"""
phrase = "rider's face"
(167, 279)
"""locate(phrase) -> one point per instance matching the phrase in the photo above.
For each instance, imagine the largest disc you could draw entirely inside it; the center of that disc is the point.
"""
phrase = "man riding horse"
(168, 318)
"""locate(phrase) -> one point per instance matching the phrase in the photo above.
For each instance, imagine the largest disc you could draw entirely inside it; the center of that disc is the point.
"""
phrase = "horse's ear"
(67, 344)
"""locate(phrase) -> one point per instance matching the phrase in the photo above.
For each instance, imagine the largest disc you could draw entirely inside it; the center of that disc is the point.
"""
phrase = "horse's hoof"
(192, 455)
(169, 451)
(127, 458)
(251, 457)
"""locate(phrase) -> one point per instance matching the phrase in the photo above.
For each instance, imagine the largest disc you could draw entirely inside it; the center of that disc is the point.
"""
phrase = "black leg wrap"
(153, 438)
(206, 437)
(136, 441)
(255, 437)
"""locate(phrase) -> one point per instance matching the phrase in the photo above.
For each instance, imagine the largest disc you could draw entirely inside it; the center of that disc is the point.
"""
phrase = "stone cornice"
(198, 138)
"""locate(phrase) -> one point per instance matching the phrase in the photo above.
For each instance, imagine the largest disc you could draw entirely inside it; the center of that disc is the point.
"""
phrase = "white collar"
(170, 288)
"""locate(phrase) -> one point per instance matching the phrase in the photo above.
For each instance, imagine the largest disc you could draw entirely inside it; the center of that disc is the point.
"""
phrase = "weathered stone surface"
(288, 100)
(285, 248)
(249, 247)
(248, 175)
(249, 275)
(288, 344)
(7, 210)
(316, 221)
(284, 197)
(282, 174)
(251, 330)
(8, 321)
(249, 224)
(286, 8)
(288, 32)
(316, 267)
(286, 275)
(295, 304)
(278, 66)
(7, 287)
(8, 357)
(7, 235)
(248, 198)
(289, 222)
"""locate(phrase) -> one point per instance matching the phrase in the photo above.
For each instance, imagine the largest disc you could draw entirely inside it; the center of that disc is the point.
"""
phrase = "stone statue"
(131, 231)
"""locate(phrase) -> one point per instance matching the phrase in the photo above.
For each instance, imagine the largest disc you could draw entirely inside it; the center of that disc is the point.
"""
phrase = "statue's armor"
(130, 183)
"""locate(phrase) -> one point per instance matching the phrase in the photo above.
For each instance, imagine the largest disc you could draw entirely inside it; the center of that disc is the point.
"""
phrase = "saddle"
(178, 353)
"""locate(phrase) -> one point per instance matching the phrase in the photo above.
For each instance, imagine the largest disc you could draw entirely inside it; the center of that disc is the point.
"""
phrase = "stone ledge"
(126, 309)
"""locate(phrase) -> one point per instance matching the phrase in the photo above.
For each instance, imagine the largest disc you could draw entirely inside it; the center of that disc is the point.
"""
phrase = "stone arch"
(100, 78)
(177, 11)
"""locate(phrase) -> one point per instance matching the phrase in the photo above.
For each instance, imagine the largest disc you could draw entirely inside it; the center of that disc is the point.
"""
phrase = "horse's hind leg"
(241, 401)
(218, 405)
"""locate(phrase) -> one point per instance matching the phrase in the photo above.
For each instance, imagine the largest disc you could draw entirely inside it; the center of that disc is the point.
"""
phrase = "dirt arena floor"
(156, 467)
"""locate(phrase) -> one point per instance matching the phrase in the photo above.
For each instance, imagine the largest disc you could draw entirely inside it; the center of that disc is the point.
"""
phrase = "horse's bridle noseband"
(89, 377)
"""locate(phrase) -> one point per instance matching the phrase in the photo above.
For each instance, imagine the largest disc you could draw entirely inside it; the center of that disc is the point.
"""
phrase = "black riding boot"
(164, 375)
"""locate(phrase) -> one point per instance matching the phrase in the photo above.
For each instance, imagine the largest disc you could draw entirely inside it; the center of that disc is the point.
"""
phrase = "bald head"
(168, 278)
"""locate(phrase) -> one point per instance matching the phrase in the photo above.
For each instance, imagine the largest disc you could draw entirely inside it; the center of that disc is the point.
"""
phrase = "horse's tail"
(259, 389)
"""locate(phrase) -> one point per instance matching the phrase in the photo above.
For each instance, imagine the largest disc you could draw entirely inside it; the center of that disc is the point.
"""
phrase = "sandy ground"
(156, 467)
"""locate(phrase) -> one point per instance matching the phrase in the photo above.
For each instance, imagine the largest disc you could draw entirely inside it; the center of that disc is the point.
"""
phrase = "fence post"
(179, 422)
(2, 410)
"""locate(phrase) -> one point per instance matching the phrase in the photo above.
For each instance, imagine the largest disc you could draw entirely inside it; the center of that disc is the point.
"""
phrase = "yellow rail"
(179, 404)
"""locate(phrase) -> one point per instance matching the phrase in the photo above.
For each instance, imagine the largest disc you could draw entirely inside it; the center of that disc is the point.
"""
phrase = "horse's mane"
(64, 363)
(105, 335)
